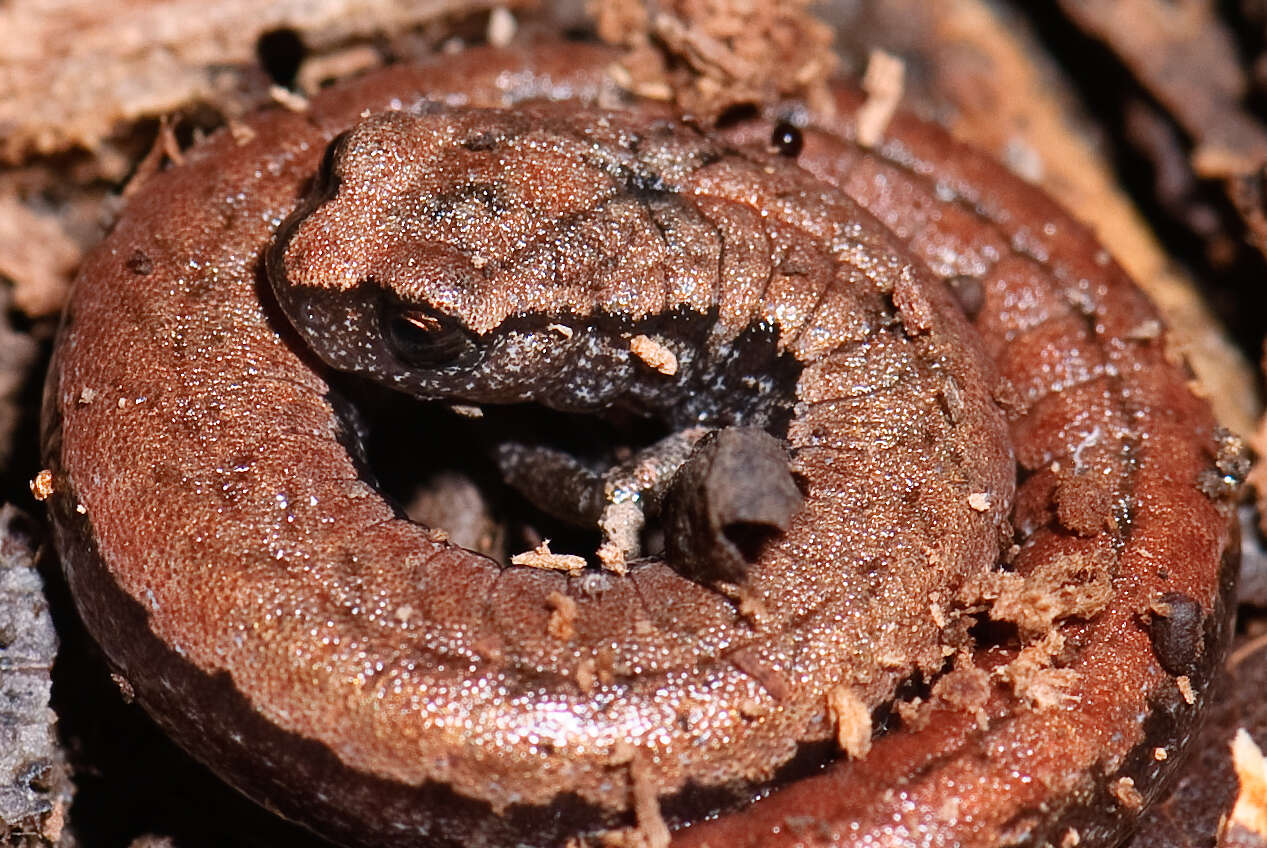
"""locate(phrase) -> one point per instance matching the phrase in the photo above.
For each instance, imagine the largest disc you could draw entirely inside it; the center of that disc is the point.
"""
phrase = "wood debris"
(542, 557)
(883, 82)
(852, 720)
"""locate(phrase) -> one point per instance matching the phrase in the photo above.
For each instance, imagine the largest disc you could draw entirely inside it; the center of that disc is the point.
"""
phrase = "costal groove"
(363, 676)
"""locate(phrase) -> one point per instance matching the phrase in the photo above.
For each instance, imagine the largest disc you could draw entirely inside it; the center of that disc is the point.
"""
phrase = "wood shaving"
(242, 133)
(542, 557)
(42, 485)
(562, 622)
(1145, 331)
(319, 70)
(1127, 795)
(752, 607)
(966, 687)
(654, 354)
(585, 674)
(938, 613)
(1250, 810)
(914, 713)
(980, 501)
(852, 720)
(1033, 678)
(612, 557)
(647, 802)
(708, 55)
(605, 663)
(621, 524)
(1186, 690)
(883, 82)
(501, 27)
(1067, 586)
(162, 149)
(651, 830)
(913, 308)
(288, 99)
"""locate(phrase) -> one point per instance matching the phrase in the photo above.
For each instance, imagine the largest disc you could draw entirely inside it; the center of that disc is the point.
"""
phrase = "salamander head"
(442, 251)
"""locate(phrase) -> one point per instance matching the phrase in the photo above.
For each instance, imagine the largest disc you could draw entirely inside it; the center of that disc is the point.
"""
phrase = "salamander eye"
(423, 338)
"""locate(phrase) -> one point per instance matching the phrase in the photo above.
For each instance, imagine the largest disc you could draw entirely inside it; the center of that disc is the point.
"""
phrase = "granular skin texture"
(363, 675)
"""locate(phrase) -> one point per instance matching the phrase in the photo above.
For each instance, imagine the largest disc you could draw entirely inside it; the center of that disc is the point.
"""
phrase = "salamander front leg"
(719, 493)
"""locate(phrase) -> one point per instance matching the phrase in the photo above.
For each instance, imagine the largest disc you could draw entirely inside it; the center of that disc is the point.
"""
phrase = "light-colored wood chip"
(288, 99)
(1186, 690)
(1128, 796)
(542, 557)
(42, 485)
(883, 82)
(562, 622)
(655, 354)
(501, 27)
(1250, 809)
(852, 720)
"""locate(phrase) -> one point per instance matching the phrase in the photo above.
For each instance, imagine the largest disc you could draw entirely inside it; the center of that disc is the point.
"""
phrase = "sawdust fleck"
(1250, 809)
(654, 354)
(1185, 689)
(542, 557)
(1127, 795)
(1068, 586)
(883, 81)
(42, 485)
(852, 720)
(562, 622)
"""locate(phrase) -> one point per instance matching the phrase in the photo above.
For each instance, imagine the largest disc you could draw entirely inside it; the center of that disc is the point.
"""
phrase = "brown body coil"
(365, 676)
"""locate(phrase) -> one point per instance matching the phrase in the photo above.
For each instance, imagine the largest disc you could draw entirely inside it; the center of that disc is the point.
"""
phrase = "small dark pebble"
(787, 139)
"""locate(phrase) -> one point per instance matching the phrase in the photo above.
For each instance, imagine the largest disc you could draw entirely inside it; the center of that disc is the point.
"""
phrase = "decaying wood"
(35, 791)
(71, 73)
